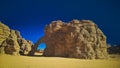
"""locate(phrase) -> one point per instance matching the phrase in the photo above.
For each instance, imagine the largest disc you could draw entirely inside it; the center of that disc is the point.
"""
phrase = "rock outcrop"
(75, 39)
(114, 49)
(12, 43)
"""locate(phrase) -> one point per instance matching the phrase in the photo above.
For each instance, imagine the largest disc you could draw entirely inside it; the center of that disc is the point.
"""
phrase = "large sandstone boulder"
(76, 39)
(11, 42)
(25, 46)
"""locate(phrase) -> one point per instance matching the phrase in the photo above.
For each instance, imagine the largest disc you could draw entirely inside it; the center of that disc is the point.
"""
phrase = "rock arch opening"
(40, 49)
(41, 46)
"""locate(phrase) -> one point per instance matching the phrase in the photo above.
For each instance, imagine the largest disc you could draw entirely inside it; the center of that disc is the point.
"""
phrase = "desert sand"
(9, 61)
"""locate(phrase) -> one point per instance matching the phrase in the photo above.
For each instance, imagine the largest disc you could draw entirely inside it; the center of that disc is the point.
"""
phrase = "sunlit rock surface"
(12, 43)
(76, 39)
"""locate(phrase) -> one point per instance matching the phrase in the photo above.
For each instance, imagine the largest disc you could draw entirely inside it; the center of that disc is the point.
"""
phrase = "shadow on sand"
(35, 55)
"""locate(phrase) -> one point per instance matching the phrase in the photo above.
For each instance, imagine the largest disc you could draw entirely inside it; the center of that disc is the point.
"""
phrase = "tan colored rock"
(18, 34)
(25, 46)
(11, 42)
(4, 32)
(11, 46)
(76, 39)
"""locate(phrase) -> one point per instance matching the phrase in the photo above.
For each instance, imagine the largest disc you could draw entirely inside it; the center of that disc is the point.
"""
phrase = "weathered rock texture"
(76, 39)
(12, 43)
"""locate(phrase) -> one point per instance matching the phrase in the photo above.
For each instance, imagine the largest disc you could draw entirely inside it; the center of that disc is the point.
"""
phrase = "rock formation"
(114, 49)
(75, 39)
(12, 43)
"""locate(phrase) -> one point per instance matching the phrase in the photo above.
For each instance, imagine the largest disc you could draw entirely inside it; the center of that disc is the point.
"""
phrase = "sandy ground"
(8, 61)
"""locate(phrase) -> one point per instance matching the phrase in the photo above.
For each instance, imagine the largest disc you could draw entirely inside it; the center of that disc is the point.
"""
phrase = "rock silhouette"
(114, 49)
(76, 39)
(11, 42)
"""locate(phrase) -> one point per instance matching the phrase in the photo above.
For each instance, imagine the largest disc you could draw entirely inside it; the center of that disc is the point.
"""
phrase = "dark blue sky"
(30, 16)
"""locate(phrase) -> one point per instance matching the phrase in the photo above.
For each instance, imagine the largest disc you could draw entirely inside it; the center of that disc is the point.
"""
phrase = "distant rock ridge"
(76, 39)
(114, 49)
(11, 42)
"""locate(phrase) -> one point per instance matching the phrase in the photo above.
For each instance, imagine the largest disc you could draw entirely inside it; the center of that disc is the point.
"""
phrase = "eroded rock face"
(4, 32)
(76, 39)
(25, 46)
(12, 43)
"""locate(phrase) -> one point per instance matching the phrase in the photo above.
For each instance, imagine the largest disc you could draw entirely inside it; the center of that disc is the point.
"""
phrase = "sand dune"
(8, 61)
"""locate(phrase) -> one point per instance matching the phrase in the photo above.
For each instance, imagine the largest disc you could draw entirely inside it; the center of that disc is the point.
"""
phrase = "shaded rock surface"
(114, 49)
(75, 39)
(11, 42)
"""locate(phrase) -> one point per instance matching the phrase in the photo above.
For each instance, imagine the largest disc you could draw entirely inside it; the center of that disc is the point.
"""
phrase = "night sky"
(30, 16)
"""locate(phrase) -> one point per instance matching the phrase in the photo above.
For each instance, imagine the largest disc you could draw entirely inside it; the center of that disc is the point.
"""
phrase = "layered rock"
(76, 39)
(10, 42)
